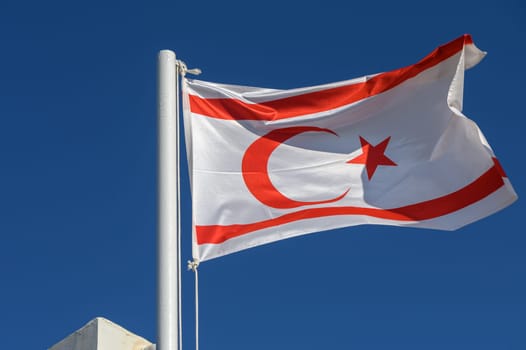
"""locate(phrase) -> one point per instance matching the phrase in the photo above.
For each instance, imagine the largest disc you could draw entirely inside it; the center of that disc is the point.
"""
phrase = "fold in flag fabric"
(392, 148)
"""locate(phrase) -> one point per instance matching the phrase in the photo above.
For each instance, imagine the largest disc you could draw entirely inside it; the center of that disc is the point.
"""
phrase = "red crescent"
(255, 168)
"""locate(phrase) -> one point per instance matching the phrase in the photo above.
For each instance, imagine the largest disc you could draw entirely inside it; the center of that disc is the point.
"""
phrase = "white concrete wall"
(102, 334)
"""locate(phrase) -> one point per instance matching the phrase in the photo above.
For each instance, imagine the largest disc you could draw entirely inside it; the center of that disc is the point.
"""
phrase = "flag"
(391, 148)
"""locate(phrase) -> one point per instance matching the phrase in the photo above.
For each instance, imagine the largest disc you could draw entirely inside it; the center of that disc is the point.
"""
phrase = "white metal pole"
(168, 306)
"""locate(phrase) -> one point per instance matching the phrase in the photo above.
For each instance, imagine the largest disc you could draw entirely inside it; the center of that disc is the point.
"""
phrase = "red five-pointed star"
(372, 156)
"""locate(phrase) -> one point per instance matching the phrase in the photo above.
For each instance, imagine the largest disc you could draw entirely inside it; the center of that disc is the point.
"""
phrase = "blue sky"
(78, 177)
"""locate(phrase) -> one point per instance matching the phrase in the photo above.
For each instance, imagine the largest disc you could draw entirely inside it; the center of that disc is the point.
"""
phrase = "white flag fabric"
(392, 148)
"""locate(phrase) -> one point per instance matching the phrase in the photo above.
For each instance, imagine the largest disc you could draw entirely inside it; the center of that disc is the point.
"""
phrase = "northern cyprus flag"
(392, 148)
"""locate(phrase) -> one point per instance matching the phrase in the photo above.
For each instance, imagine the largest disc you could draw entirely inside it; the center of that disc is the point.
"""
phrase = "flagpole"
(168, 231)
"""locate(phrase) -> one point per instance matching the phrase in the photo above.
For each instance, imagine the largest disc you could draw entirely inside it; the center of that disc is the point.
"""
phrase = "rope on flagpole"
(179, 70)
(192, 265)
(183, 69)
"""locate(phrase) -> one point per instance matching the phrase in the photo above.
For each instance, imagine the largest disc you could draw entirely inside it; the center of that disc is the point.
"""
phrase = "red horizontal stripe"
(324, 100)
(482, 187)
